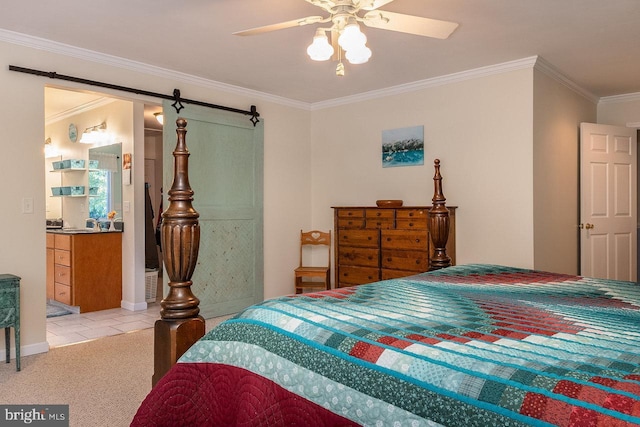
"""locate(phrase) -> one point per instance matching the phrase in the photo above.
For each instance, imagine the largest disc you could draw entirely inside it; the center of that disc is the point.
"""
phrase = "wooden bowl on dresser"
(388, 203)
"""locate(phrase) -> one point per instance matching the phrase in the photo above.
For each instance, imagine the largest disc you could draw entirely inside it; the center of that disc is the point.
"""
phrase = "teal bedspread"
(474, 345)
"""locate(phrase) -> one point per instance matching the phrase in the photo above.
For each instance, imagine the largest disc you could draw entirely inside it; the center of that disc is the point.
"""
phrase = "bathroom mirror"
(105, 181)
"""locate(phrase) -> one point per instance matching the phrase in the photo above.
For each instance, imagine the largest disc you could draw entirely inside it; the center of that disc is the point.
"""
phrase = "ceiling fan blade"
(281, 26)
(409, 24)
(372, 4)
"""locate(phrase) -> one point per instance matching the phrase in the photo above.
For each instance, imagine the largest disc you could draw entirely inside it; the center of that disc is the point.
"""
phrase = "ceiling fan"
(345, 32)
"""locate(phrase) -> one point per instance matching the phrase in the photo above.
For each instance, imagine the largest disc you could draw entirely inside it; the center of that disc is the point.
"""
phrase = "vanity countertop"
(80, 231)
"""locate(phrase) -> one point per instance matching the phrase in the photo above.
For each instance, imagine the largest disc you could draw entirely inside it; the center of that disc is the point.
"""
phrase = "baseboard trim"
(30, 349)
(133, 306)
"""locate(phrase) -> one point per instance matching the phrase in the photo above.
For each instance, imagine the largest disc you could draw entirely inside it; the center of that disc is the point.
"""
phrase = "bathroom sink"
(79, 230)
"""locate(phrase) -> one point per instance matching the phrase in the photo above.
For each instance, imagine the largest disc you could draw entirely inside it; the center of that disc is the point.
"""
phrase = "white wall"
(287, 160)
(558, 112)
(620, 110)
(480, 129)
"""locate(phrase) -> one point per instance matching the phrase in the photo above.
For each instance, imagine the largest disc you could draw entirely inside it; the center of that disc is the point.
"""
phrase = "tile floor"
(75, 328)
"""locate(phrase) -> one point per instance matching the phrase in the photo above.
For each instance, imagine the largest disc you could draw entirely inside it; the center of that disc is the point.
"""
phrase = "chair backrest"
(316, 238)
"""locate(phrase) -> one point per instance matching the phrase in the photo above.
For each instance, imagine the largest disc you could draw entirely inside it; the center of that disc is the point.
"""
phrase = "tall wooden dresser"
(374, 243)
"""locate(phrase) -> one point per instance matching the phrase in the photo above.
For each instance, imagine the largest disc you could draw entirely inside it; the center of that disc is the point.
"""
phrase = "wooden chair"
(308, 277)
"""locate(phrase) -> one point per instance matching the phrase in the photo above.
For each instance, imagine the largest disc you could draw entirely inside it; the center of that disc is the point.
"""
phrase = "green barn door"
(226, 175)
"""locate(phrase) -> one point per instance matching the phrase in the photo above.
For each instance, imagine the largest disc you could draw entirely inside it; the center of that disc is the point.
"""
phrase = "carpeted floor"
(103, 381)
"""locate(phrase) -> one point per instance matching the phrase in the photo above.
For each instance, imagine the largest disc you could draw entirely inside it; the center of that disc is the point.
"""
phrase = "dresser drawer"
(412, 224)
(62, 293)
(412, 213)
(350, 213)
(350, 222)
(357, 275)
(62, 257)
(405, 239)
(364, 257)
(62, 274)
(380, 218)
(361, 238)
(415, 261)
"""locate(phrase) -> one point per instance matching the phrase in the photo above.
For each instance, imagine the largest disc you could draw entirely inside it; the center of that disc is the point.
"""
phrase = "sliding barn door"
(226, 175)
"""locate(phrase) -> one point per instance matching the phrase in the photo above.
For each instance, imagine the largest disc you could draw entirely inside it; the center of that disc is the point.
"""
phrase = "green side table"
(10, 312)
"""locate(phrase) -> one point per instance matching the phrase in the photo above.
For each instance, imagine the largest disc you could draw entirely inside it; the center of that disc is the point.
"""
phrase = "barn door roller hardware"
(177, 104)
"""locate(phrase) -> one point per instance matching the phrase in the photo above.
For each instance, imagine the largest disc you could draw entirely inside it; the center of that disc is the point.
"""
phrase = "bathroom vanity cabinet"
(85, 269)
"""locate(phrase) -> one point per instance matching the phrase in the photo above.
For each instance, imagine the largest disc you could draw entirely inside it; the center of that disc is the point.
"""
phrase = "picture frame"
(403, 147)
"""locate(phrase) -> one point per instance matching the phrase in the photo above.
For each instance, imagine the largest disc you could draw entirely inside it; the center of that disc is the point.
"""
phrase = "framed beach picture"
(403, 147)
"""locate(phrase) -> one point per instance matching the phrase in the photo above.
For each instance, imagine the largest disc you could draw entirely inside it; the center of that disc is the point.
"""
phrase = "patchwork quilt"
(473, 345)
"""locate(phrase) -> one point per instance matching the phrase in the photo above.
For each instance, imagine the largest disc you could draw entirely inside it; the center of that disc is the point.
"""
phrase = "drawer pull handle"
(417, 240)
(410, 224)
(389, 259)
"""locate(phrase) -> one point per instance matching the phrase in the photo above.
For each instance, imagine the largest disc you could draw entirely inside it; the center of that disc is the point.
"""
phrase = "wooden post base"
(171, 339)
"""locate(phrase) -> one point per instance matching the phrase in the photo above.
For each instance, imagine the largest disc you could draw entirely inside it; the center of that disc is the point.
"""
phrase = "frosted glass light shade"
(352, 37)
(358, 56)
(320, 49)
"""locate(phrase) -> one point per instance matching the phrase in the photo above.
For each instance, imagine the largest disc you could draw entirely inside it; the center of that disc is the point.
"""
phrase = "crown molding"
(115, 61)
(505, 67)
(545, 67)
(616, 99)
(78, 109)
(92, 56)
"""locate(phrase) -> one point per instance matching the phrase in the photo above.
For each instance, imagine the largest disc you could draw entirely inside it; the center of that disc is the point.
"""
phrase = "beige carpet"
(103, 381)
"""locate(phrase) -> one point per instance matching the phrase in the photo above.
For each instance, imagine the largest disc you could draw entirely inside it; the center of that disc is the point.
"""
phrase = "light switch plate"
(126, 206)
(27, 205)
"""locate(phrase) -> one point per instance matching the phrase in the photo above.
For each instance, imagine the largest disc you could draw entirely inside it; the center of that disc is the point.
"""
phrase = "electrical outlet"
(27, 205)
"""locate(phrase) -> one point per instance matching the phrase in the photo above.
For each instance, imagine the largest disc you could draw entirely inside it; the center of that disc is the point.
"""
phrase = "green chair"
(10, 312)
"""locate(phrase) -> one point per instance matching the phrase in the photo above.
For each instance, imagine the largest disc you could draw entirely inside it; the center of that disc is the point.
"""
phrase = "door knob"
(587, 226)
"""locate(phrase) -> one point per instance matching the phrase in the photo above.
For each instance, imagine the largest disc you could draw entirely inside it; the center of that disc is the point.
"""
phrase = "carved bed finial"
(439, 223)
(180, 324)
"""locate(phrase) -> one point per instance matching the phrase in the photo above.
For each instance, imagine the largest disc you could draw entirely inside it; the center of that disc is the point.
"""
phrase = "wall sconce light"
(94, 134)
(49, 149)
(159, 117)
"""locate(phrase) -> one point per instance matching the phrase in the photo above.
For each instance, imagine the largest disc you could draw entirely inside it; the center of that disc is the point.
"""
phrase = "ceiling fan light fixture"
(351, 37)
(320, 49)
(358, 56)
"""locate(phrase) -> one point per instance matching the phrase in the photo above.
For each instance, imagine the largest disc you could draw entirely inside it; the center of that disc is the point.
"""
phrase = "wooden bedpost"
(180, 324)
(439, 223)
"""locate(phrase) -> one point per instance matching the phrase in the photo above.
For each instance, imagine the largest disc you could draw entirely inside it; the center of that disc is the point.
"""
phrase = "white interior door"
(608, 194)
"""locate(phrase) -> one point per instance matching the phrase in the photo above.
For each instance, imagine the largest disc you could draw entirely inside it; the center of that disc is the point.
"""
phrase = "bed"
(472, 345)
(469, 345)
